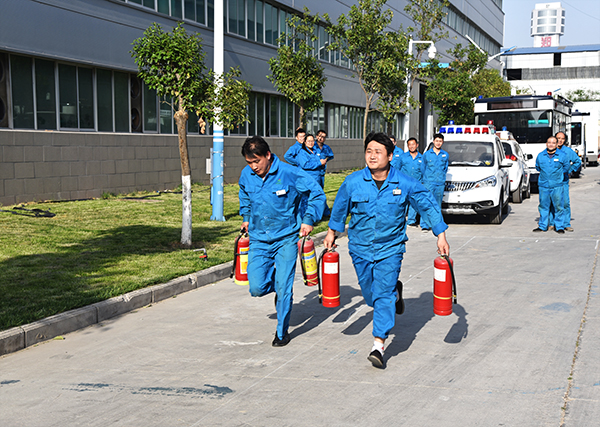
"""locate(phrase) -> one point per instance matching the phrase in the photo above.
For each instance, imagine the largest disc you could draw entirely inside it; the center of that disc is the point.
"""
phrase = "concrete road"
(520, 348)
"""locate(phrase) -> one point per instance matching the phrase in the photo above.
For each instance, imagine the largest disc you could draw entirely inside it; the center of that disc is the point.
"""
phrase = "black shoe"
(376, 358)
(281, 342)
(399, 301)
(560, 231)
(276, 302)
(414, 224)
(537, 230)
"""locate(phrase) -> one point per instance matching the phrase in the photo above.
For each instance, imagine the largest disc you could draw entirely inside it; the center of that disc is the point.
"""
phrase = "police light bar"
(476, 130)
(485, 130)
(467, 130)
(459, 130)
(443, 129)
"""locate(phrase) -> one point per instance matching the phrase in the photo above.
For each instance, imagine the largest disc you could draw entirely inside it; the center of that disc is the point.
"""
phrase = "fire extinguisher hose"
(235, 254)
(319, 274)
(452, 274)
(302, 267)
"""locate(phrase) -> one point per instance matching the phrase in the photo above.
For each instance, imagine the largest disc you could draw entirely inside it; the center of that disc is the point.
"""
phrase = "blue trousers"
(271, 267)
(377, 280)
(438, 194)
(551, 198)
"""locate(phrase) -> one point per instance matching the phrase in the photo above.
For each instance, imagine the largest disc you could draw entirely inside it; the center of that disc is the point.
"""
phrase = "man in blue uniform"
(411, 164)
(377, 198)
(324, 152)
(292, 152)
(434, 174)
(575, 164)
(270, 194)
(397, 153)
(553, 166)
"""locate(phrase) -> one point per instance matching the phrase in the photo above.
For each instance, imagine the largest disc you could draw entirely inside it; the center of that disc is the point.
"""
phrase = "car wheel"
(496, 218)
(528, 191)
(504, 205)
(517, 196)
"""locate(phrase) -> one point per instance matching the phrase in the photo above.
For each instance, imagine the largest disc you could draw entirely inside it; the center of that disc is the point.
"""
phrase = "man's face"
(412, 146)
(561, 139)
(321, 137)
(376, 156)
(551, 143)
(437, 143)
(260, 164)
(300, 137)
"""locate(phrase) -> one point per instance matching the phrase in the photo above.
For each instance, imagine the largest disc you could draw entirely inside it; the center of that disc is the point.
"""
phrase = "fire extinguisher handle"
(235, 254)
(447, 258)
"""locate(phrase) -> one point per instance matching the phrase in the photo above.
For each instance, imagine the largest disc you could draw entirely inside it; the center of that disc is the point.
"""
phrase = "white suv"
(477, 181)
(518, 173)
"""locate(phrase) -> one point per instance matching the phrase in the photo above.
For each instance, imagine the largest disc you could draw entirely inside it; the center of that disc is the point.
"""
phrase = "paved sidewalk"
(508, 355)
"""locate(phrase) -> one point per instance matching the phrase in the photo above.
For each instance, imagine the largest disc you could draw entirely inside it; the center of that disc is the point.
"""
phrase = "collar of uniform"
(392, 176)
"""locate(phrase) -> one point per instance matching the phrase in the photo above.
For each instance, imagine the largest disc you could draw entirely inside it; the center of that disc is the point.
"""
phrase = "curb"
(21, 337)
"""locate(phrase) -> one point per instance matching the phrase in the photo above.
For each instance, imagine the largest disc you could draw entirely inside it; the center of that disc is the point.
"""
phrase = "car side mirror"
(529, 156)
(505, 164)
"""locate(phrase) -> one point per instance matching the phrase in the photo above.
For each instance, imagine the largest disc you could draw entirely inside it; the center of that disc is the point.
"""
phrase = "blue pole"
(217, 175)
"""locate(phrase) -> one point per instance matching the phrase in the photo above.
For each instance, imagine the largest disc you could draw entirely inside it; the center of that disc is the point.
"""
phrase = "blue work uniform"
(324, 153)
(377, 234)
(271, 207)
(291, 153)
(413, 168)
(552, 169)
(396, 159)
(311, 164)
(434, 176)
(575, 164)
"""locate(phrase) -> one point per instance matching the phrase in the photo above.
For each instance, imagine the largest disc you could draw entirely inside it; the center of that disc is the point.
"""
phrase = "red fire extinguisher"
(240, 258)
(329, 261)
(308, 261)
(444, 286)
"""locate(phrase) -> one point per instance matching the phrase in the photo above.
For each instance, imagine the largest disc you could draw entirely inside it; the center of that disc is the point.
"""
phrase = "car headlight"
(486, 182)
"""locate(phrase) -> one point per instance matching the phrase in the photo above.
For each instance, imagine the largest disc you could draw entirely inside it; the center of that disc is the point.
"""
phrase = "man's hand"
(323, 161)
(244, 227)
(442, 244)
(329, 239)
(305, 229)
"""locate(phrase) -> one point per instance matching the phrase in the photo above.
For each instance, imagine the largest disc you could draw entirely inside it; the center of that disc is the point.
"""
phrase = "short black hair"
(299, 130)
(392, 137)
(438, 135)
(381, 138)
(412, 138)
(564, 133)
(255, 146)
(322, 131)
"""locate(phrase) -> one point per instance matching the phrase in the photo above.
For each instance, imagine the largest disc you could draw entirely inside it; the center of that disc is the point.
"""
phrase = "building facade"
(75, 121)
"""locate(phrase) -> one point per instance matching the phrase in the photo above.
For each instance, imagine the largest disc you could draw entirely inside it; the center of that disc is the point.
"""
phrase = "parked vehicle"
(477, 181)
(518, 173)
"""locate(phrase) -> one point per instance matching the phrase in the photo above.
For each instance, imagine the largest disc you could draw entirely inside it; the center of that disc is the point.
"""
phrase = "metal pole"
(217, 152)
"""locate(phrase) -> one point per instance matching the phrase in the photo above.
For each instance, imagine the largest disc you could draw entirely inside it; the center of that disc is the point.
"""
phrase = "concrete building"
(547, 24)
(76, 122)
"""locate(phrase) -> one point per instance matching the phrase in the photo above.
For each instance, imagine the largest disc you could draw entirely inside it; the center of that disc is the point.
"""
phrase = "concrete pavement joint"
(577, 342)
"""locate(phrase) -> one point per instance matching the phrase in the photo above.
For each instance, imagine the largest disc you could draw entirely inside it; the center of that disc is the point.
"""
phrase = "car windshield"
(469, 153)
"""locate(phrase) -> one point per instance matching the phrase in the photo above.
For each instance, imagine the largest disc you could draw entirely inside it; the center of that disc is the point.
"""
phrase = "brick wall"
(37, 165)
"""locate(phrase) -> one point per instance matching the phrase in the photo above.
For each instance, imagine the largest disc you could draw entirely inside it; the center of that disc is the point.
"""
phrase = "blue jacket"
(436, 166)
(271, 205)
(412, 167)
(323, 153)
(574, 159)
(377, 226)
(552, 169)
(291, 153)
(396, 159)
(310, 163)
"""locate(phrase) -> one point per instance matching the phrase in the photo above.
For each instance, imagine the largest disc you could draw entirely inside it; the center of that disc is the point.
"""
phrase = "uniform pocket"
(360, 203)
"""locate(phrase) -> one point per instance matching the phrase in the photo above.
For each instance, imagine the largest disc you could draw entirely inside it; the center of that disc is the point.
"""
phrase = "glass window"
(45, 94)
(274, 24)
(282, 18)
(273, 118)
(232, 14)
(192, 124)
(259, 22)
(290, 119)
(176, 8)
(149, 3)
(105, 104)
(260, 114)
(121, 102)
(200, 12)
(166, 116)
(251, 21)
(22, 91)
(241, 18)
(211, 13)
(135, 1)
(67, 85)
(252, 114)
(86, 98)
(163, 6)
(282, 117)
(268, 24)
(149, 109)
(189, 9)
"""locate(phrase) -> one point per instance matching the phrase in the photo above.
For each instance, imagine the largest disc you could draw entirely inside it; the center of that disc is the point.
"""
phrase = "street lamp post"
(431, 52)
(218, 141)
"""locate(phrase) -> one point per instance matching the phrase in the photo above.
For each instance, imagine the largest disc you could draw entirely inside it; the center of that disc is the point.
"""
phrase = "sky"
(582, 22)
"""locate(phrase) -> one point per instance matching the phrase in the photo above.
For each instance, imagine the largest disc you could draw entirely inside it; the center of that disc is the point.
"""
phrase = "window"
(67, 83)
(22, 92)
(166, 115)
(269, 12)
(45, 94)
(251, 20)
(86, 98)
(557, 59)
(149, 100)
(105, 100)
(121, 102)
(232, 13)
(259, 22)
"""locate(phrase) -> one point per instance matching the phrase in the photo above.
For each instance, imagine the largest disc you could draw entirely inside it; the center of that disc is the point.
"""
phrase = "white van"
(477, 181)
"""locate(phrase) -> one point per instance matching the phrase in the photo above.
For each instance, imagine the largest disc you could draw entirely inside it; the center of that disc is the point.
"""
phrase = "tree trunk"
(302, 117)
(181, 118)
(365, 119)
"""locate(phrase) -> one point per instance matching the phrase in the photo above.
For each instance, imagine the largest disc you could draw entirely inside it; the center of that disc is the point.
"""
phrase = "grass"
(93, 250)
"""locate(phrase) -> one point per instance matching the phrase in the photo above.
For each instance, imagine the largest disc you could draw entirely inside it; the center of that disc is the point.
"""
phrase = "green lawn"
(97, 249)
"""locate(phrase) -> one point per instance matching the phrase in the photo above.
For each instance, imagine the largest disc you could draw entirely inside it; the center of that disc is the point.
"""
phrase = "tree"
(173, 65)
(296, 72)
(428, 17)
(488, 83)
(379, 56)
(451, 89)
(582, 95)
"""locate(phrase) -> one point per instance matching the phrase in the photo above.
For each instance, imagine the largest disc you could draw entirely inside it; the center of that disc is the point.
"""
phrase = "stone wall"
(37, 165)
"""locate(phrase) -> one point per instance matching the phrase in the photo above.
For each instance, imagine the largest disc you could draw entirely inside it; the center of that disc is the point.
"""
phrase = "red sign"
(546, 41)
